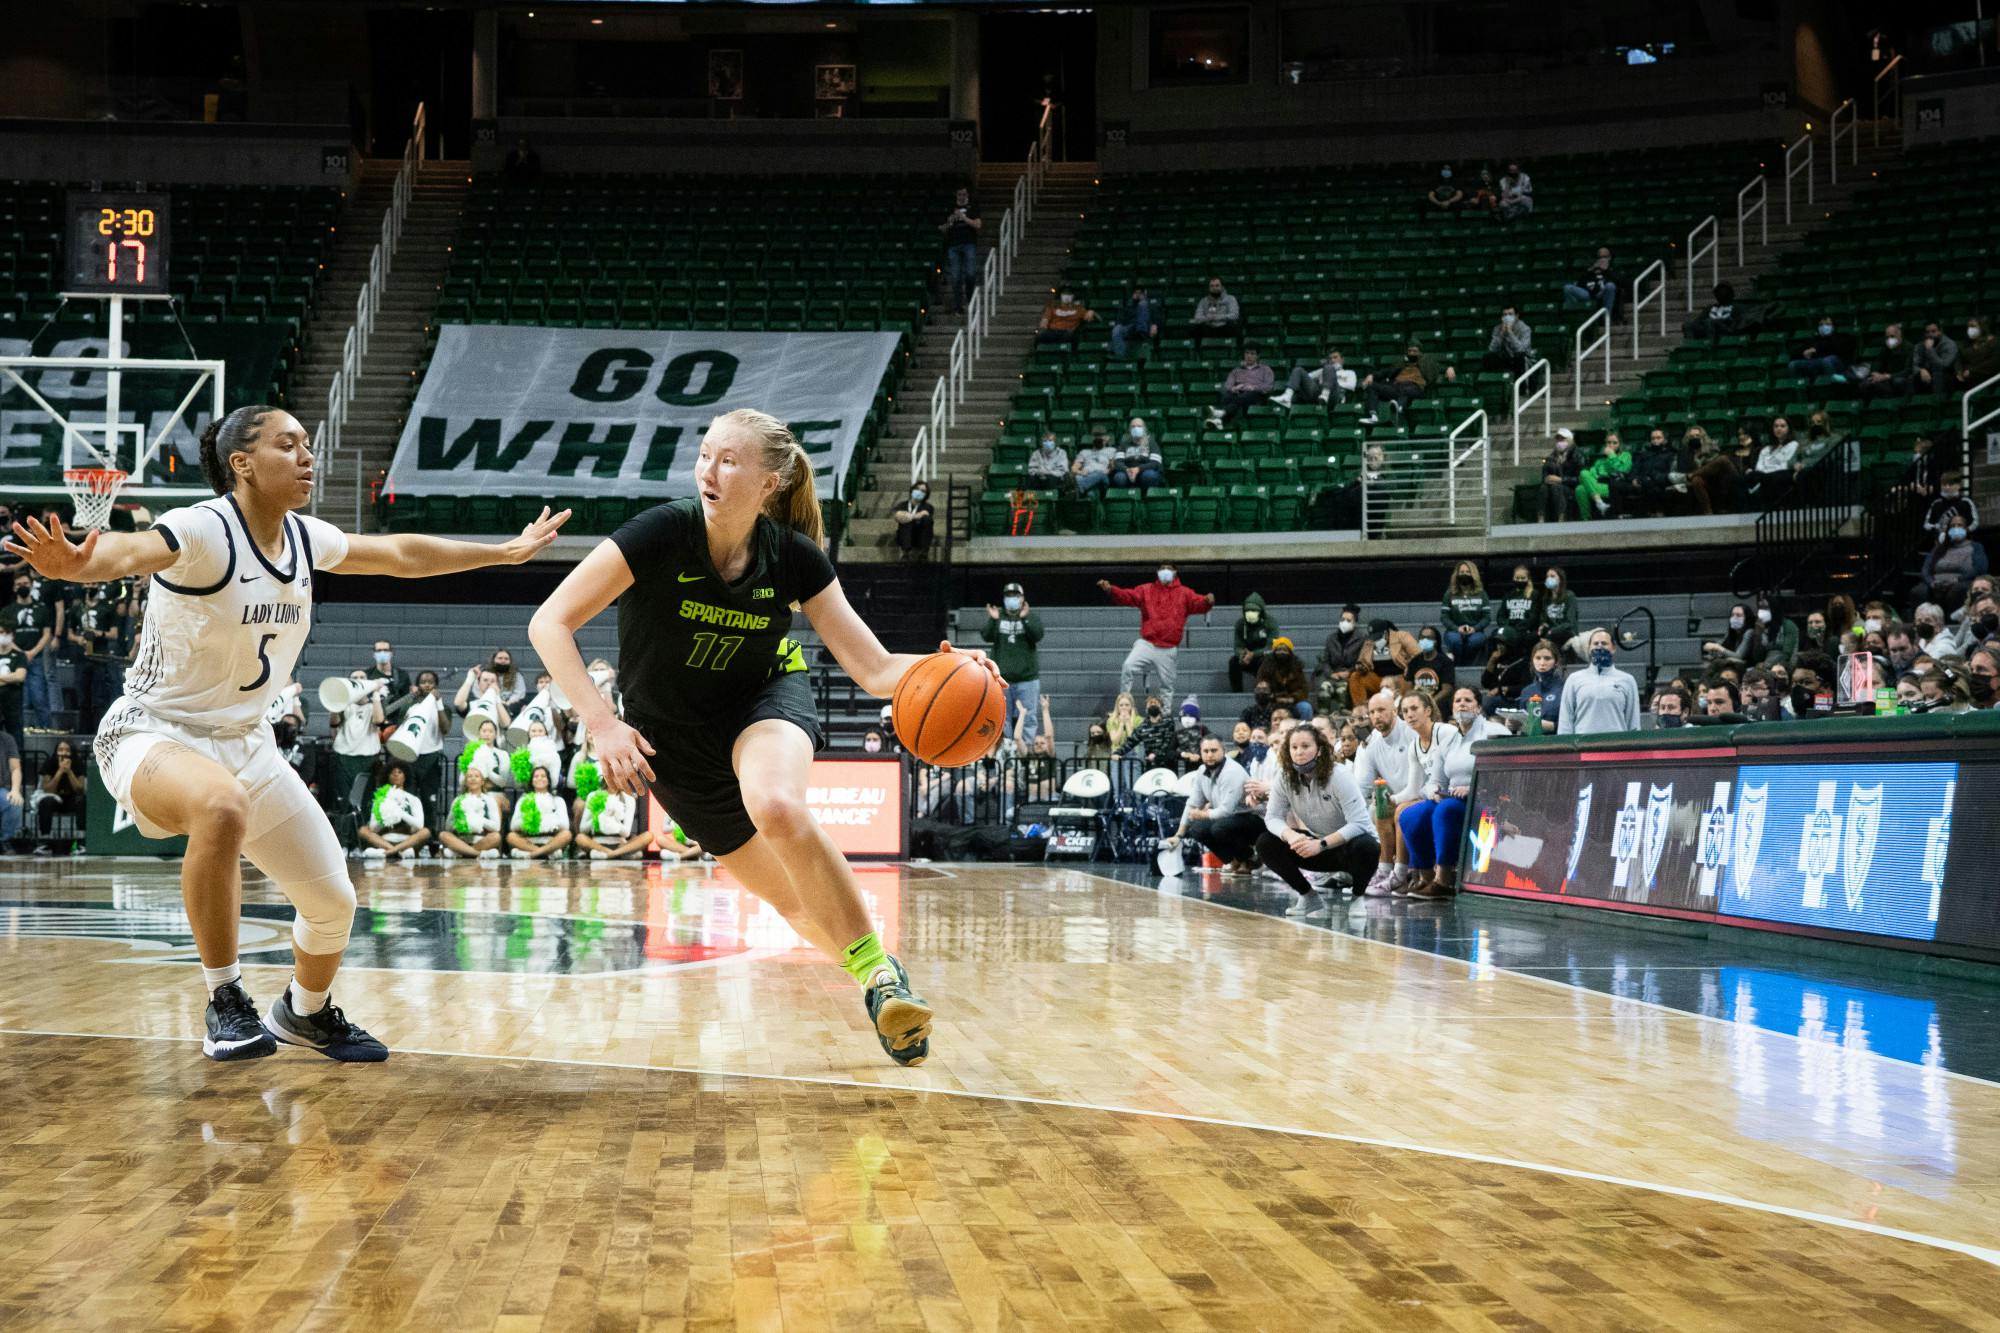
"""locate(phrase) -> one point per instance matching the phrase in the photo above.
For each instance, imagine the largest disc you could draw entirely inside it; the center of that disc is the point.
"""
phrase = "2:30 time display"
(118, 244)
(126, 221)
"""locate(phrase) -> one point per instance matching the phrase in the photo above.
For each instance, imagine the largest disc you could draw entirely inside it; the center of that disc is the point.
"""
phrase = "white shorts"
(128, 734)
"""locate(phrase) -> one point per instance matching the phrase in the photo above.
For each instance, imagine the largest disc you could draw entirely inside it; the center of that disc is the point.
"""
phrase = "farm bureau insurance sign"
(528, 411)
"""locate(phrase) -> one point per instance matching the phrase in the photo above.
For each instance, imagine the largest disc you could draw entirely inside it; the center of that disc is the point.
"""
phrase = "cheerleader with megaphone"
(483, 755)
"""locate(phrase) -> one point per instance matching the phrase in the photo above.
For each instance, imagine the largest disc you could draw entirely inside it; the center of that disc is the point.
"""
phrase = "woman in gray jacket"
(1316, 820)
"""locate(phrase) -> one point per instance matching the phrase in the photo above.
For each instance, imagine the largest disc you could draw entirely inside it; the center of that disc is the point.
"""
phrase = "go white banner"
(529, 411)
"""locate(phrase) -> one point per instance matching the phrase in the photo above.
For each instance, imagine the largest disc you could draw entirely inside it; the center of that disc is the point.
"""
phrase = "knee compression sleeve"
(304, 859)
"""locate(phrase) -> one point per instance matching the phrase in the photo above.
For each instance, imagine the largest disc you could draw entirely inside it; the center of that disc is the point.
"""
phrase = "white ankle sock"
(305, 1001)
(217, 977)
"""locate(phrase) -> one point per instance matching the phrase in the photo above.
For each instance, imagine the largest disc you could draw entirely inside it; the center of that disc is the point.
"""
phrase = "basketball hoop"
(92, 490)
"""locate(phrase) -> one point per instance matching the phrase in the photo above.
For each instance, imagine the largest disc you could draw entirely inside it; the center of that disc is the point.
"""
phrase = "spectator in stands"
(1515, 615)
(1216, 315)
(1385, 656)
(1825, 441)
(1049, 464)
(1952, 506)
(1825, 351)
(1901, 645)
(1417, 376)
(1517, 193)
(541, 820)
(1720, 318)
(1485, 197)
(915, 523)
(1645, 486)
(1164, 606)
(1432, 657)
(1892, 374)
(1432, 825)
(1467, 614)
(1720, 700)
(513, 686)
(33, 623)
(1602, 698)
(480, 693)
(1742, 641)
(1341, 653)
(1138, 318)
(1946, 690)
(1715, 483)
(395, 824)
(1979, 358)
(1562, 470)
(1013, 632)
(1557, 613)
(1445, 196)
(961, 249)
(401, 691)
(1247, 385)
(1770, 476)
(1254, 632)
(1920, 477)
(100, 630)
(1597, 285)
(1122, 720)
(1937, 359)
(59, 794)
(1763, 697)
(1316, 820)
(478, 818)
(1951, 566)
(1284, 672)
(1672, 705)
(357, 736)
(1097, 744)
(1982, 677)
(1593, 483)
(1090, 469)
(1468, 715)
(1154, 739)
(1511, 344)
(1139, 462)
(1329, 382)
(523, 165)
(1257, 713)
(1215, 815)
(1239, 740)
(1063, 319)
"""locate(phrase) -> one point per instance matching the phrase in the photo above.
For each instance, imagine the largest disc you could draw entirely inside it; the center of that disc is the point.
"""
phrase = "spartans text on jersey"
(721, 615)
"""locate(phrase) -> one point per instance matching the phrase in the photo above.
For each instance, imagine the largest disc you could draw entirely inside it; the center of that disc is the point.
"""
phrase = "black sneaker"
(902, 1020)
(233, 1030)
(327, 1031)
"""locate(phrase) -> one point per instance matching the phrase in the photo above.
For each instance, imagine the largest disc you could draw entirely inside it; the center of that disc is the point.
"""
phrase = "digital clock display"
(117, 244)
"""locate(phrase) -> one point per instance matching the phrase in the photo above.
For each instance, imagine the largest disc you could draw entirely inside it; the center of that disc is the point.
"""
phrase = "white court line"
(1729, 1023)
(1981, 1253)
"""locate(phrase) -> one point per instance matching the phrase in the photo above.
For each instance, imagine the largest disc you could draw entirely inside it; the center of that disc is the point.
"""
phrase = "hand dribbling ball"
(949, 710)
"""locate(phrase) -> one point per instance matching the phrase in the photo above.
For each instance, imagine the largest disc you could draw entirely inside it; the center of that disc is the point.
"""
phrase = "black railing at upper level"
(1801, 526)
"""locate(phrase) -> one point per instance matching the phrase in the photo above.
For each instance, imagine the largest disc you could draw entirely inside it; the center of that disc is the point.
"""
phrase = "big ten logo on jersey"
(763, 594)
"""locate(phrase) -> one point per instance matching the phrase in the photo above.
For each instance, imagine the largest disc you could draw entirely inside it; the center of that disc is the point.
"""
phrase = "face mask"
(1445, 174)
(1551, 583)
(1763, 615)
(1138, 432)
(1672, 720)
(1190, 723)
(382, 659)
(1825, 329)
(1736, 622)
(1166, 576)
(1972, 331)
(1013, 605)
(1986, 626)
(1982, 688)
(1949, 492)
(916, 495)
(1464, 719)
(871, 745)
(1048, 446)
(1347, 627)
(1410, 356)
(1958, 534)
(1253, 616)
(1601, 658)
(1892, 343)
(1873, 624)
(1153, 712)
(1263, 696)
(1256, 750)
(1426, 645)
(1099, 738)
(603, 676)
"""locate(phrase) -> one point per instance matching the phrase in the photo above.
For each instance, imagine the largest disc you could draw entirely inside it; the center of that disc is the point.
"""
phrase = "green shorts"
(694, 778)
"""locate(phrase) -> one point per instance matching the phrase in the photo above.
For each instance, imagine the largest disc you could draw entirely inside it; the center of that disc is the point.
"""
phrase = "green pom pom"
(531, 814)
(588, 780)
(459, 824)
(593, 805)
(524, 766)
(465, 755)
(375, 806)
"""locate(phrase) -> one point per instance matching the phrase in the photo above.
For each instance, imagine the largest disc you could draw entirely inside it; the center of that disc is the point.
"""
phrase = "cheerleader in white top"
(541, 819)
(395, 818)
(478, 819)
(187, 750)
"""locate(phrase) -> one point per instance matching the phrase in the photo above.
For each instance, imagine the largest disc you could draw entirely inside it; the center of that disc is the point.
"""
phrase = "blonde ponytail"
(796, 502)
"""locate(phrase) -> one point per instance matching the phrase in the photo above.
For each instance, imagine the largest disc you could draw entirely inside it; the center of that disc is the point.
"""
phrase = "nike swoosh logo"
(694, 579)
(248, 578)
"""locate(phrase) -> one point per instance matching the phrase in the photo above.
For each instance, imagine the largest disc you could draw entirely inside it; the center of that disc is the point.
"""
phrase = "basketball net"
(93, 490)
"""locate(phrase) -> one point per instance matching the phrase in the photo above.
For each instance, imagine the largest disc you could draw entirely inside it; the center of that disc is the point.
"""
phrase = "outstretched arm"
(413, 555)
(100, 558)
(874, 668)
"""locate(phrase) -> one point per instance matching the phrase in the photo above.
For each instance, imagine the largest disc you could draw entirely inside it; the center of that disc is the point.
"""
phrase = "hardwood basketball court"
(619, 1098)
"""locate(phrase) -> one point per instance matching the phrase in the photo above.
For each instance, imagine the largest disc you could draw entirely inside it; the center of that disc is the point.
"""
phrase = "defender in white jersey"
(187, 750)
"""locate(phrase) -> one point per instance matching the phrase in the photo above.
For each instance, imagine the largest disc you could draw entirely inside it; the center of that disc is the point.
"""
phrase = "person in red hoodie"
(1164, 607)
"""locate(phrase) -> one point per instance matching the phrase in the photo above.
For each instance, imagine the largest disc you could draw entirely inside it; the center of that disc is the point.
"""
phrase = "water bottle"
(1534, 715)
(1381, 798)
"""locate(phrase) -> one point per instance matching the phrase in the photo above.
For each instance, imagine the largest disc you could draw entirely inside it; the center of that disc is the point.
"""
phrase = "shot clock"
(118, 244)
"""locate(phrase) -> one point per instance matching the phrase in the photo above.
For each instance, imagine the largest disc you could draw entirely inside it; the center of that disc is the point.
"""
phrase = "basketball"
(949, 709)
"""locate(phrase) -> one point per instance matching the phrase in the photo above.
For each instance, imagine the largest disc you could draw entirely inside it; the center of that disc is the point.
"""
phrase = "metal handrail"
(1656, 269)
(1482, 445)
(958, 372)
(1795, 169)
(1967, 423)
(1541, 395)
(1760, 209)
(920, 456)
(1710, 251)
(1833, 134)
(1896, 96)
(941, 415)
(1603, 340)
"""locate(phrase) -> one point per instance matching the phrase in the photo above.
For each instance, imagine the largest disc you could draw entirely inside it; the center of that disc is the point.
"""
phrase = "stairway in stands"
(1045, 243)
(383, 391)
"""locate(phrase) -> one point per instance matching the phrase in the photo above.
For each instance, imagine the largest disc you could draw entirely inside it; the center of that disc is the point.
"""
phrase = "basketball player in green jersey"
(717, 693)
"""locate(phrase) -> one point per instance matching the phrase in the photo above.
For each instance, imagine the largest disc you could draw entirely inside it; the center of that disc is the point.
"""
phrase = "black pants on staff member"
(1356, 858)
(1231, 837)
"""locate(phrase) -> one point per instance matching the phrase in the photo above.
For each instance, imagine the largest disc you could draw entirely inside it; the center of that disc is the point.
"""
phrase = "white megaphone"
(337, 694)
(482, 709)
(281, 702)
(540, 709)
(416, 732)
